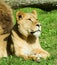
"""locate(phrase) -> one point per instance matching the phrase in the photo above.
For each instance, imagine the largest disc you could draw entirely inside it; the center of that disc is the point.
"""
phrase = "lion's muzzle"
(37, 32)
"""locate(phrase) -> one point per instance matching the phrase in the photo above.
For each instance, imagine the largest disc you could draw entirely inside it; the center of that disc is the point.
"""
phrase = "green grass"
(48, 39)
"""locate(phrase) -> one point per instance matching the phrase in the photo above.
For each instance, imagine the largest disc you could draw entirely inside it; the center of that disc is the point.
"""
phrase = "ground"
(48, 39)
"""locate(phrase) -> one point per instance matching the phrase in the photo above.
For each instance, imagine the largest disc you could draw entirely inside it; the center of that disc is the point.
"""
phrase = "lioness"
(25, 36)
(6, 24)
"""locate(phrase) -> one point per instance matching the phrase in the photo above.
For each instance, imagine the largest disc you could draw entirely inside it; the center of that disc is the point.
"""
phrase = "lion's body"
(22, 47)
(6, 24)
(25, 37)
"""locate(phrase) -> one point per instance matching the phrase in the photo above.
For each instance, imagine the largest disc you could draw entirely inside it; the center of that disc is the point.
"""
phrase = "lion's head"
(28, 23)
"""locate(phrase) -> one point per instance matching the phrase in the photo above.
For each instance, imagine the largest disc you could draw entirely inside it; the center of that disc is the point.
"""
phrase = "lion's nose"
(38, 25)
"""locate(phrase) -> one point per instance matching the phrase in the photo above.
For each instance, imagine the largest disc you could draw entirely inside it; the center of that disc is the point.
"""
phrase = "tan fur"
(6, 24)
(26, 43)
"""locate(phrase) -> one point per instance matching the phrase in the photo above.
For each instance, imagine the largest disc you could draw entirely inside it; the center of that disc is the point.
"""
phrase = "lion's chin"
(37, 34)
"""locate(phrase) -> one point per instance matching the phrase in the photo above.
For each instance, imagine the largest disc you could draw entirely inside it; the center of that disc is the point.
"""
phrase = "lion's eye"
(20, 16)
(30, 19)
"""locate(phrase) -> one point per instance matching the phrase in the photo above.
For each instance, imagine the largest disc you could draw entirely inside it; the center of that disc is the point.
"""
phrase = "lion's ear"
(34, 12)
(19, 15)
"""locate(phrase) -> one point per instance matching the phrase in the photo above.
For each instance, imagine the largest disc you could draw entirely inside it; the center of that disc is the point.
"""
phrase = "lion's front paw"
(44, 54)
(35, 57)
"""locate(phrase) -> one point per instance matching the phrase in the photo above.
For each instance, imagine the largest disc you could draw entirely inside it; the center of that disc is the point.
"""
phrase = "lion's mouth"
(36, 33)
